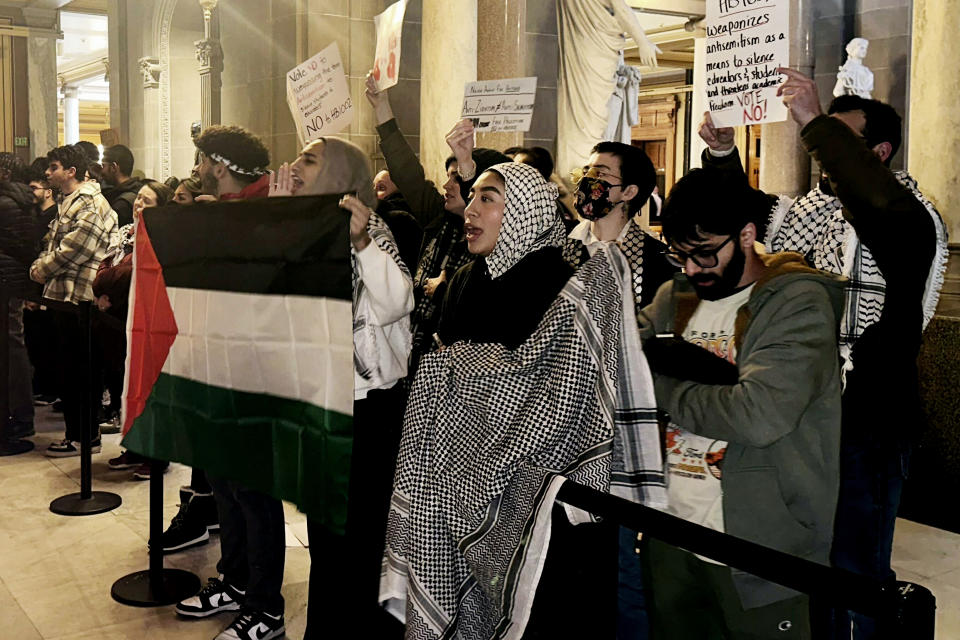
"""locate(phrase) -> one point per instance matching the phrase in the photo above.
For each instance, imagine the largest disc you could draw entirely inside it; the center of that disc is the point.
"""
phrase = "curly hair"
(70, 156)
(13, 167)
(237, 145)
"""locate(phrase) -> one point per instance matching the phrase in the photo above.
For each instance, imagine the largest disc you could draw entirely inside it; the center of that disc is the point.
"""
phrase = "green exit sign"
(21, 141)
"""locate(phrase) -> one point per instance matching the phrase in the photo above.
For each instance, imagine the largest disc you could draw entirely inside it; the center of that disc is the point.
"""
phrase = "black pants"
(19, 393)
(345, 570)
(252, 544)
(75, 371)
(40, 334)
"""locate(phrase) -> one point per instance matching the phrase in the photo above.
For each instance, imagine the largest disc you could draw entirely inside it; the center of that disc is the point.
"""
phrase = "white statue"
(854, 78)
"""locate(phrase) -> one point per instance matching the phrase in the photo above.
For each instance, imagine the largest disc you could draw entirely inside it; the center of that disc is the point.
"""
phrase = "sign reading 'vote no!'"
(318, 96)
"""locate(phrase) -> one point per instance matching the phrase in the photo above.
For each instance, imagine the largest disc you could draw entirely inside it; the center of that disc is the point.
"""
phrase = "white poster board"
(500, 105)
(746, 41)
(318, 96)
(386, 61)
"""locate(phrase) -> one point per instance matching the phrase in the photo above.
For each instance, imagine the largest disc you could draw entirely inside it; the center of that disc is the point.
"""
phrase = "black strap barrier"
(906, 610)
(87, 501)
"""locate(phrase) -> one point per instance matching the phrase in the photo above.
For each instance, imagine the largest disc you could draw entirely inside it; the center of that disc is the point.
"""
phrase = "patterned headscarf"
(530, 219)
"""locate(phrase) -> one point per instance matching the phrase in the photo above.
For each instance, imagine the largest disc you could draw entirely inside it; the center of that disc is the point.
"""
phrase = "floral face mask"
(593, 196)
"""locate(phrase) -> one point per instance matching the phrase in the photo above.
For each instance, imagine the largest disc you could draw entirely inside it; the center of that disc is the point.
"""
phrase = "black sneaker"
(67, 448)
(185, 530)
(17, 429)
(57, 405)
(44, 400)
(110, 424)
(215, 597)
(203, 507)
(253, 625)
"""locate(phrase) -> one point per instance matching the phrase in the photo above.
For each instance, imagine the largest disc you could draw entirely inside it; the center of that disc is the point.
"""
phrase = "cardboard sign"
(318, 96)
(386, 62)
(500, 105)
(746, 41)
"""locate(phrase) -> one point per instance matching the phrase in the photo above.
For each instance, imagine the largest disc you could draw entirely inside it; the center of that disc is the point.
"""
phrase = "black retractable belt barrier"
(905, 610)
(88, 502)
(10, 445)
(155, 587)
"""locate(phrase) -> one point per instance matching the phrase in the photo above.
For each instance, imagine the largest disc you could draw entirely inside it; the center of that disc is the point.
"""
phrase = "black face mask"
(724, 284)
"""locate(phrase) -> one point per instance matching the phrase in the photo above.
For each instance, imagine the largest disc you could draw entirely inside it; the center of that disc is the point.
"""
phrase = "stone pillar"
(784, 165)
(41, 65)
(501, 36)
(71, 115)
(210, 57)
(935, 125)
(449, 60)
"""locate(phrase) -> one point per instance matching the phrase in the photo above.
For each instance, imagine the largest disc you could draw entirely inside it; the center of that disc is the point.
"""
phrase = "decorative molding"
(209, 55)
(87, 69)
(162, 19)
(152, 71)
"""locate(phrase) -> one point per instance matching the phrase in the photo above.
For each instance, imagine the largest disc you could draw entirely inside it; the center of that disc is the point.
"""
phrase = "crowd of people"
(770, 327)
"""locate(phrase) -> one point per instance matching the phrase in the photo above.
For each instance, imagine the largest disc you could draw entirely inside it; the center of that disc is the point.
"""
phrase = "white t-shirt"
(694, 463)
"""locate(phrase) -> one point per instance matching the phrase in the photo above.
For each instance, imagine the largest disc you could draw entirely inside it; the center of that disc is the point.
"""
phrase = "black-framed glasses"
(703, 258)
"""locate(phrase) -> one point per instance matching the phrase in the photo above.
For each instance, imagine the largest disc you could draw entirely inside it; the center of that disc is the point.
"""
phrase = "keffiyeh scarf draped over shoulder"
(365, 348)
(489, 436)
(815, 227)
(530, 219)
(125, 247)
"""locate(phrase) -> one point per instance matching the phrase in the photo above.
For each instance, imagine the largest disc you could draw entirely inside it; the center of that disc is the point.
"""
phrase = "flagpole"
(157, 586)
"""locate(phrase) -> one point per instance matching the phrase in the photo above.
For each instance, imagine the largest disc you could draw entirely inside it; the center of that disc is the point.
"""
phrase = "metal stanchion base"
(75, 505)
(137, 589)
(14, 447)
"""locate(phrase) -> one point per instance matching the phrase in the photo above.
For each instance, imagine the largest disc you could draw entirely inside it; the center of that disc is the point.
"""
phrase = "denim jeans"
(632, 622)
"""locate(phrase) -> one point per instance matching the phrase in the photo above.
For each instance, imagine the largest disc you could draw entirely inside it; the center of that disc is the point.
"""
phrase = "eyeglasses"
(593, 172)
(703, 258)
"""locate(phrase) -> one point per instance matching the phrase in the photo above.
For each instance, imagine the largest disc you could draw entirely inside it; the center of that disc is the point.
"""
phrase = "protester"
(121, 190)
(17, 251)
(396, 213)
(752, 387)
(252, 531)
(345, 570)
(444, 248)
(542, 161)
(511, 222)
(111, 288)
(852, 223)
(92, 154)
(75, 246)
(187, 191)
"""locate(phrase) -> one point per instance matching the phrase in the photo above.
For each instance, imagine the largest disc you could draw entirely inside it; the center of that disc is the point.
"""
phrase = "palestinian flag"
(240, 346)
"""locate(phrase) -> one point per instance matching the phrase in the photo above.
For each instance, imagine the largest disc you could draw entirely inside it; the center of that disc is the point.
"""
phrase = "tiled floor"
(56, 571)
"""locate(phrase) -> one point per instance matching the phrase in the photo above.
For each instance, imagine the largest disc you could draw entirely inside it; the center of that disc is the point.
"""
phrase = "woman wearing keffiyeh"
(345, 570)
(512, 223)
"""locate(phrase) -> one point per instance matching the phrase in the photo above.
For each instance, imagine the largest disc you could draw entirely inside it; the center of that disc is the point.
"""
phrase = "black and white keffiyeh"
(575, 254)
(815, 227)
(530, 219)
(365, 350)
(118, 252)
(490, 435)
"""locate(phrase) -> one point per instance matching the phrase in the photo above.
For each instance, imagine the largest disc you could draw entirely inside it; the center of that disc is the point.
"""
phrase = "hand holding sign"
(800, 96)
(318, 96)
(386, 62)
(717, 138)
(378, 99)
(500, 105)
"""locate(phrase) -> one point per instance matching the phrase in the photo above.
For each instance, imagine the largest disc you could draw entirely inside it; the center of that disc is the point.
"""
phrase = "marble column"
(501, 36)
(71, 115)
(210, 57)
(449, 60)
(935, 125)
(42, 65)
(784, 165)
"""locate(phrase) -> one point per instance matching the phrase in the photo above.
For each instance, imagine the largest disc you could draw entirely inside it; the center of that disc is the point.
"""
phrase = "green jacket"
(781, 420)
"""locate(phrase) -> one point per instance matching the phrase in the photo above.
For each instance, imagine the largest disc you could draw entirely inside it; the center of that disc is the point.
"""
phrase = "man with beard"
(853, 223)
(752, 387)
(121, 190)
(232, 163)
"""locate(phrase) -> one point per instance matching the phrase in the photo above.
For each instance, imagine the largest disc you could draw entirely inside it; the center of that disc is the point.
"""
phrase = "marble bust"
(854, 78)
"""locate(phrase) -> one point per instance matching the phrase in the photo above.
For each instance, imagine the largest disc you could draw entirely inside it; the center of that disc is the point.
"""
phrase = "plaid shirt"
(76, 244)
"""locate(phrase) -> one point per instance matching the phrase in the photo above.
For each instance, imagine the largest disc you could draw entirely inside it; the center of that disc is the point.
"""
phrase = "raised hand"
(460, 141)
(379, 100)
(359, 217)
(717, 138)
(800, 96)
(281, 181)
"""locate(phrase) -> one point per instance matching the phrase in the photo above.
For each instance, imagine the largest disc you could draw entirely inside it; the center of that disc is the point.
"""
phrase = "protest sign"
(500, 105)
(318, 96)
(386, 62)
(746, 41)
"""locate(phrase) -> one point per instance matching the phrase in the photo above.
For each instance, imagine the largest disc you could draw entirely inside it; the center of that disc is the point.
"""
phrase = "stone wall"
(887, 25)
(543, 60)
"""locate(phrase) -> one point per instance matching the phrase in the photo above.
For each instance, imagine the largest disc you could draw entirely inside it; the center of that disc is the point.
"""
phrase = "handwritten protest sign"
(386, 62)
(746, 41)
(500, 105)
(318, 97)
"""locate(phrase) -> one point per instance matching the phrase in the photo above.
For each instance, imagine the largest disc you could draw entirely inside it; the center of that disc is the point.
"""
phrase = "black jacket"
(18, 234)
(405, 229)
(121, 199)
(506, 310)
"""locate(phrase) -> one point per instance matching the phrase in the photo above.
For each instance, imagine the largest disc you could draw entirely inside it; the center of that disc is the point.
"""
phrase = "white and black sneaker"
(253, 625)
(186, 529)
(215, 597)
(67, 448)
